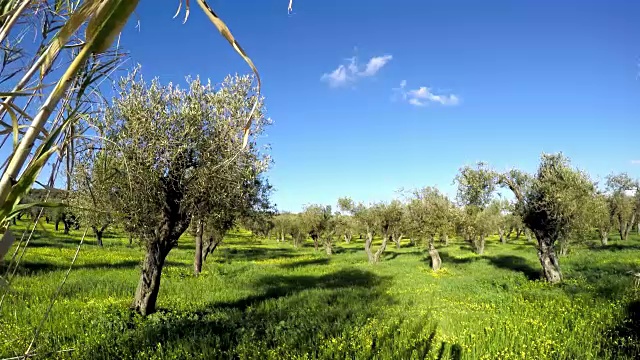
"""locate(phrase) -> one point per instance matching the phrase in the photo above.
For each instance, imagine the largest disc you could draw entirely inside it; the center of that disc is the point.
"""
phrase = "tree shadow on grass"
(614, 247)
(610, 280)
(515, 263)
(623, 340)
(448, 259)
(39, 267)
(321, 317)
(233, 254)
(307, 262)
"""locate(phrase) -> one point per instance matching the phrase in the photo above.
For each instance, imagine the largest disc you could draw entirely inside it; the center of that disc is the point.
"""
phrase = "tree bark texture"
(503, 239)
(604, 237)
(197, 259)
(479, 244)
(445, 239)
(378, 255)
(548, 259)
(149, 284)
(436, 262)
(367, 247)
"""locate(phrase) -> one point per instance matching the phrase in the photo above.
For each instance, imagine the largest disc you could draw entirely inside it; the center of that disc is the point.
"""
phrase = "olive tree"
(345, 226)
(549, 204)
(242, 196)
(90, 200)
(603, 216)
(367, 218)
(166, 145)
(476, 186)
(392, 220)
(623, 204)
(297, 228)
(429, 213)
(318, 220)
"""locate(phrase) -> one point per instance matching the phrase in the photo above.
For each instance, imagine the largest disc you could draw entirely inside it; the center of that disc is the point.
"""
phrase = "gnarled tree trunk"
(99, 232)
(397, 238)
(445, 239)
(548, 259)
(328, 248)
(478, 244)
(436, 262)
(197, 259)
(367, 247)
(314, 237)
(149, 284)
(604, 237)
(378, 255)
(503, 238)
(518, 233)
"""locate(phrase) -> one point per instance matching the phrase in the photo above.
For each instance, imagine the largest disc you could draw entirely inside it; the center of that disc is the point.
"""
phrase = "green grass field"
(258, 299)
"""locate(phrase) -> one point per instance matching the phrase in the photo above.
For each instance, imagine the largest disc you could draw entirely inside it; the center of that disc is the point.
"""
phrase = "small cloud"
(423, 95)
(350, 72)
(375, 64)
(337, 77)
(635, 162)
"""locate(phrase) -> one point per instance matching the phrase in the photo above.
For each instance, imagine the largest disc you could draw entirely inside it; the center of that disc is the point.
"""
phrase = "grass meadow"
(259, 299)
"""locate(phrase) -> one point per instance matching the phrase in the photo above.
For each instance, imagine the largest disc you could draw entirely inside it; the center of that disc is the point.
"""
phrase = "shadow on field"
(307, 262)
(615, 247)
(515, 263)
(623, 340)
(349, 250)
(253, 254)
(448, 259)
(321, 317)
(37, 267)
(608, 280)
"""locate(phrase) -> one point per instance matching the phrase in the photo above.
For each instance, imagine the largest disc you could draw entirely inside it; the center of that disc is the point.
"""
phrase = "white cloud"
(423, 96)
(375, 64)
(349, 73)
(337, 77)
(635, 162)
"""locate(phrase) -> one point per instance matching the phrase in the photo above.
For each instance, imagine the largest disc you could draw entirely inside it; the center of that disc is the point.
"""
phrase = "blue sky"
(425, 86)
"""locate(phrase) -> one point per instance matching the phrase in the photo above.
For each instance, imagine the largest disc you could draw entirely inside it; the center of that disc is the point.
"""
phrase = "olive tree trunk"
(99, 232)
(398, 240)
(436, 262)
(149, 284)
(315, 242)
(503, 239)
(518, 233)
(548, 259)
(328, 247)
(478, 244)
(445, 239)
(197, 259)
(158, 244)
(99, 235)
(378, 255)
(367, 246)
(604, 237)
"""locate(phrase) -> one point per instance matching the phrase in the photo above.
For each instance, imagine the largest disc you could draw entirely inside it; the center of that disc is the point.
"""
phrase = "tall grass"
(258, 299)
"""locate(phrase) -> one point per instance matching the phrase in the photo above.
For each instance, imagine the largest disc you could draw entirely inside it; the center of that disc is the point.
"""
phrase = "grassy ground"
(258, 299)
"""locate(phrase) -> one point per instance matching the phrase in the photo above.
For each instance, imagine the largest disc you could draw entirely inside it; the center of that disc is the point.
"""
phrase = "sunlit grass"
(260, 299)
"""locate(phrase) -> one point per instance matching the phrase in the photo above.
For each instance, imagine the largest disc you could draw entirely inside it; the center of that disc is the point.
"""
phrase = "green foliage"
(476, 185)
(429, 213)
(266, 300)
(554, 202)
